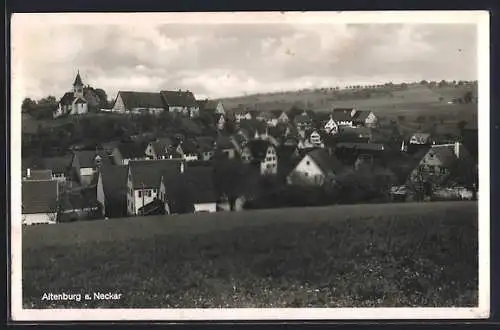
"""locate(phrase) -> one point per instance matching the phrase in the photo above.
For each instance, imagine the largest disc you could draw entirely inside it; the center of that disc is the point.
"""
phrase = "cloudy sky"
(221, 60)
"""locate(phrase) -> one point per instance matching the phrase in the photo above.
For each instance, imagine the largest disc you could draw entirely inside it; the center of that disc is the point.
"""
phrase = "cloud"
(218, 60)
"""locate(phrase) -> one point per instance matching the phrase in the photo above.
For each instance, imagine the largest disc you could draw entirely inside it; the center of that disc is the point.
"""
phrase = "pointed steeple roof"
(78, 80)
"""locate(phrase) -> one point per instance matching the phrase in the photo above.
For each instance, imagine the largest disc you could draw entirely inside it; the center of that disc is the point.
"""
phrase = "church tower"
(78, 86)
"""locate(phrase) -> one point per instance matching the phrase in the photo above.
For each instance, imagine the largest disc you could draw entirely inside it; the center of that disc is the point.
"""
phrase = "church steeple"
(78, 86)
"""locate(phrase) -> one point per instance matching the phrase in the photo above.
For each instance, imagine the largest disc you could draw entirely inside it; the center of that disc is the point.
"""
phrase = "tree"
(229, 177)
(103, 97)
(467, 98)
(424, 82)
(443, 83)
(28, 105)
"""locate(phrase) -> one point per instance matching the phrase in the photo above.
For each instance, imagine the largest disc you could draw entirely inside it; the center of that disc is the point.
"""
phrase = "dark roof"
(266, 115)
(78, 80)
(57, 164)
(198, 183)
(38, 175)
(258, 149)
(223, 142)
(141, 100)
(362, 146)
(189, 147)
(67, 98)
(326, 162)
(342, 114)
(278, 113)
(207, 105)
(147, 173)
(357, 131)
(361, 115)
(303, 118)
(80, 199)
(445, 153)
(179, 98)
(39, 196)
(86, 158)
(151, 207)
(160, 147)
(130, 150)
(252, 125)
(114, 181)
(204, 143)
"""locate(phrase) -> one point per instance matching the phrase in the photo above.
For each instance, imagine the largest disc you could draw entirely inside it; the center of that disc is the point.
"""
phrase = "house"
(331, 126)
(219, 120)
(354, 117)
(421, 139)
(224, 146)
(138, 102)
(267, 117)
(205, 146)
(159, 149)
(85, 164)
(188, 150)
(263, 154)
(315, 139)
(364, 118)
(192, 191)
(59, 166)
(74, 102)
(314, 168)
(127, 151)
(182, 102)
(37, 175)
(242, 115)
(211, 106)
(281, 116)
(112, 190)
(81, 204)
(354, 134)
(143, 181)
(303, 122)
(39, 202)
(441, 162)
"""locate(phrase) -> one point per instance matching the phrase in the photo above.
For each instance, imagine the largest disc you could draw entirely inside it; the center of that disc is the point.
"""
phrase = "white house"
(191, 191)
(138, 102)
(39, 202)
(240, 115)
(421, 138)
(315, 139)
(143, 181)
(264, 155)
(331, 126)
(314, 168)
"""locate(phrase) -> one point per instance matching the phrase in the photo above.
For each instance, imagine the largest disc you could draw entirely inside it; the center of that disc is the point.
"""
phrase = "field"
(414, 101)
(342, 256)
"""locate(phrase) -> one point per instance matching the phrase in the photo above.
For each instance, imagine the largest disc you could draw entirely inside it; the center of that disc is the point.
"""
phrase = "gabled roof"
(132, 149)
(304, 118)
(223, 142)
(133, 100)
(342, 114)
(39, 196)
(278, 113)
(114, 181)
(361, 115)
(326, 162)
(86, 158)
(258, 149)
(196, 183)
(207, 105)
(179, 98)
(189, 147)
(57, 164)
(445, 153)
(80, 200)
(78, 80)
(38, 175)
(204, 143)
(160, 147)
(67, 98)
(147, 173)
(362, 146)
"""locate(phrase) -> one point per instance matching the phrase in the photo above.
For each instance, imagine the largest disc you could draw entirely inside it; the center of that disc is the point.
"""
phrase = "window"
(442, 170)
(140, 194)
(308, 162)
(148, 193)
(306, 174)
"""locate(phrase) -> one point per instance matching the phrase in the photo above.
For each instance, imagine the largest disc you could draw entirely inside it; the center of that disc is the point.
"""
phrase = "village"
(242, 159)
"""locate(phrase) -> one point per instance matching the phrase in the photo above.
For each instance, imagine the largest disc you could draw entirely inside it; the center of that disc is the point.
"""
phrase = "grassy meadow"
(392, 255)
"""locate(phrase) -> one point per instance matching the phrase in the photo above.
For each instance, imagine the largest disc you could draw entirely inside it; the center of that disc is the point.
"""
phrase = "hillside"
(342, 256)
(385, 100)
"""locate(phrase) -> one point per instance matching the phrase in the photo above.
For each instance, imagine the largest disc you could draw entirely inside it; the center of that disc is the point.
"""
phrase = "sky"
(232, 59)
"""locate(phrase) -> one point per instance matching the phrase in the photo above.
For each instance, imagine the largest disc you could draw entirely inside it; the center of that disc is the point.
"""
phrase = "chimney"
(457, 149)
(182, 167)
(28, 172)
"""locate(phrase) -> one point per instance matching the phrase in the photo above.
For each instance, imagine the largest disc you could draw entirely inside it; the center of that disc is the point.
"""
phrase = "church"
(74, 102)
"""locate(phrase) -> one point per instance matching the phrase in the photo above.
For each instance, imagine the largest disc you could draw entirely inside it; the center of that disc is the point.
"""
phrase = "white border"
(481, 18)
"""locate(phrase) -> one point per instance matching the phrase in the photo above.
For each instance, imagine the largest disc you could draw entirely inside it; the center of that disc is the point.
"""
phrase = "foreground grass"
(349, 256)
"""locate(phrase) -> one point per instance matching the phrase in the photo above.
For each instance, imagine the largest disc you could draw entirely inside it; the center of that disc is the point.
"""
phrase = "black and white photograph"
(250, 166)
